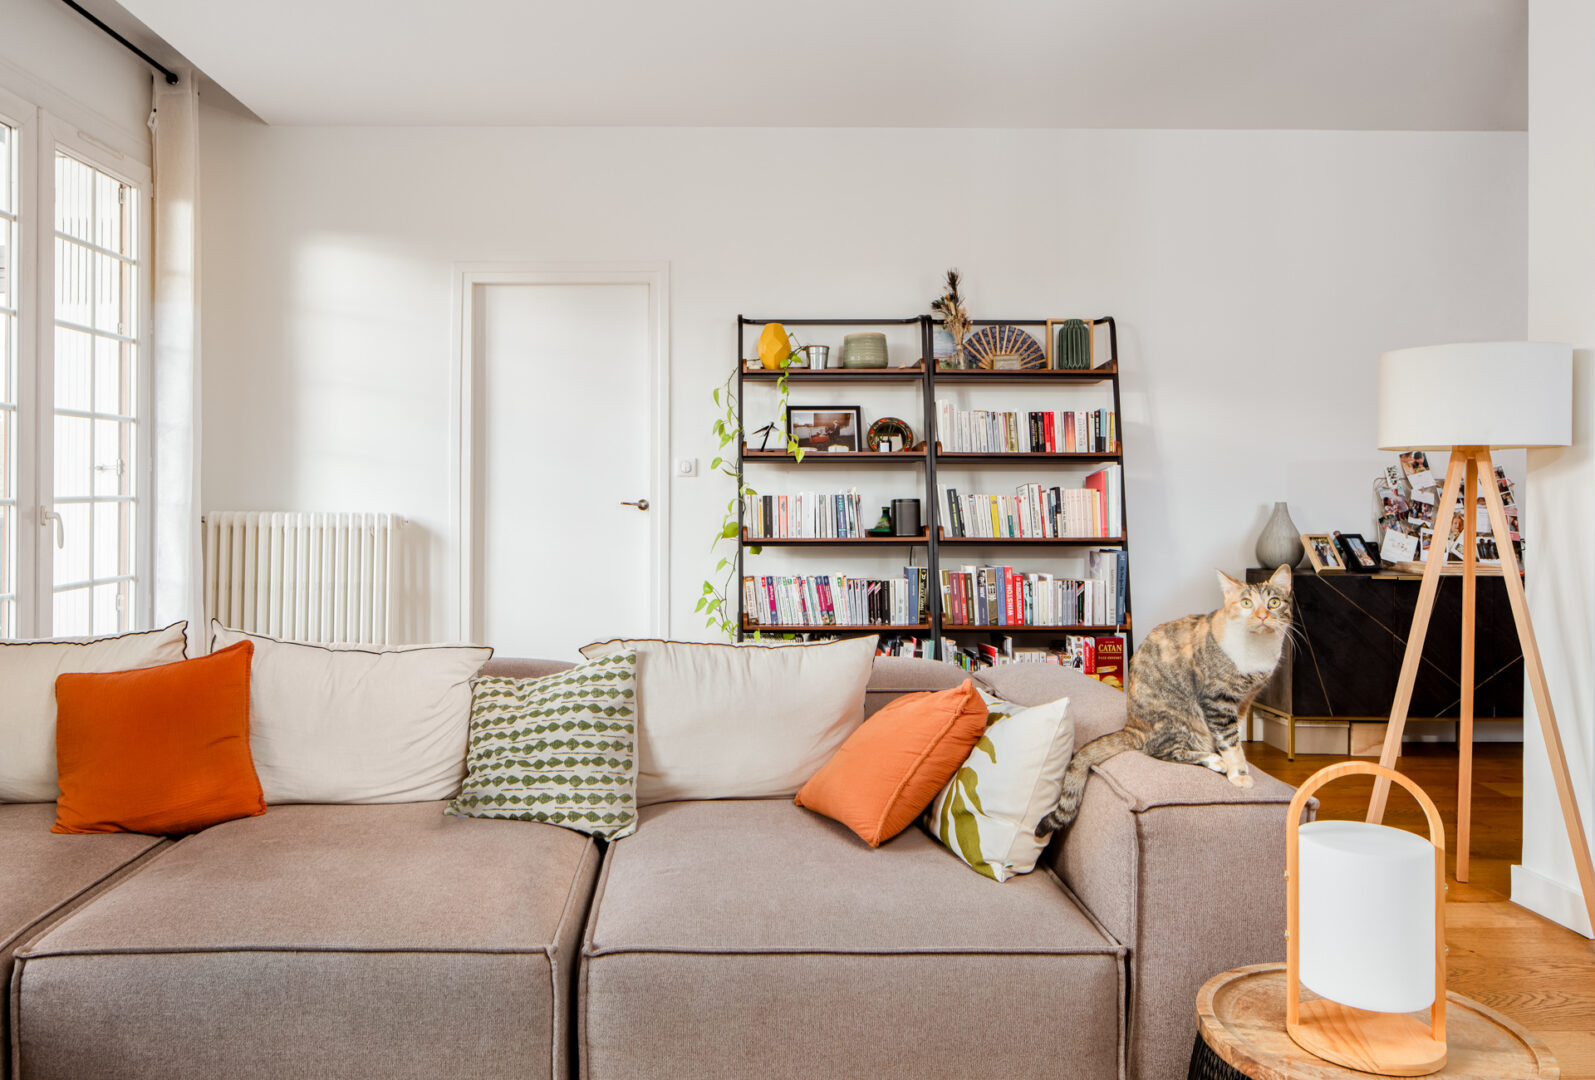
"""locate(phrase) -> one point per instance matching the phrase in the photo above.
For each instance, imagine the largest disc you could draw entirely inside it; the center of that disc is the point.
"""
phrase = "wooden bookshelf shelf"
(834, 541)
(860, 628)
(906, 375)
(924, 376)
(947, 458)
(1035, 541)
(995, 628)
(858, 457)
(1105, 373)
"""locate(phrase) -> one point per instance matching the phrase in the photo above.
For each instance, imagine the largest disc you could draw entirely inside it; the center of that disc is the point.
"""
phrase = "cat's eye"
(1275, 602)
(1246, 603)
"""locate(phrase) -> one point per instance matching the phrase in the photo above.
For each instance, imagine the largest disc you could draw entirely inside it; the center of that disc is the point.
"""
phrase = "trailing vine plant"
(718, 611)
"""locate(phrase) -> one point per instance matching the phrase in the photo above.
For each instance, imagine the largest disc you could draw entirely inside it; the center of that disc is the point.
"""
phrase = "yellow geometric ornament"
(774, 345)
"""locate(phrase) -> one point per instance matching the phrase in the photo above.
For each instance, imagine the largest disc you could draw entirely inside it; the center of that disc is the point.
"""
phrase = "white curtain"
(174, 122)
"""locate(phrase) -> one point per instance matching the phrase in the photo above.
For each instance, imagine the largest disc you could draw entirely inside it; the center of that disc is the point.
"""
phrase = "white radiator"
(307, 577)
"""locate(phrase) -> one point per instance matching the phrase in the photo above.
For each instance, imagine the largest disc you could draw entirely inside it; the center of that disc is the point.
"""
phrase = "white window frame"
(41, 132)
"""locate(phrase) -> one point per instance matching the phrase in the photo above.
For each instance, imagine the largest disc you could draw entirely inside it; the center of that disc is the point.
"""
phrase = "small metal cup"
(816, 354)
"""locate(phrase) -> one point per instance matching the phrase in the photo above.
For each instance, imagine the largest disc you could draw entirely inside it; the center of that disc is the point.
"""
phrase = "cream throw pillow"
(740, 721)
(358, 723)
(988, 813)
(28, 670)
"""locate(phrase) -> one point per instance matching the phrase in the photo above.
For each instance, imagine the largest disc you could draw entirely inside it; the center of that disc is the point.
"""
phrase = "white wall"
(1255, 276)
(52, 56)
(1561, 483)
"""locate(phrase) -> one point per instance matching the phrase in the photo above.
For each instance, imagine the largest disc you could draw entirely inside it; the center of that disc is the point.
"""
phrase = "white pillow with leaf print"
(988, 813)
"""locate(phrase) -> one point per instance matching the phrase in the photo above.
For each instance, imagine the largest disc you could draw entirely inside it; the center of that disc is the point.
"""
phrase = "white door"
(563, 465)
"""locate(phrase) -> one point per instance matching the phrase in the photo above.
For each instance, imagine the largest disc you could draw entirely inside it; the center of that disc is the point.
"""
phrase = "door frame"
(465, 472)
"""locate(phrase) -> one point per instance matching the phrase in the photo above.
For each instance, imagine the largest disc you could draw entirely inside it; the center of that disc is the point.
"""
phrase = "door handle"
(46, 516)
(640, 504)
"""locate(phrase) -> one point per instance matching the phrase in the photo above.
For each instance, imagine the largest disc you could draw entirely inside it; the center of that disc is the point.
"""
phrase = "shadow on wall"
(411, 618)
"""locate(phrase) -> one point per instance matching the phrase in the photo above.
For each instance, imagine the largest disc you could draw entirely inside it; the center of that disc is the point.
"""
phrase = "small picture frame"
(1356, 554)
(1322, 553)
(822, 429)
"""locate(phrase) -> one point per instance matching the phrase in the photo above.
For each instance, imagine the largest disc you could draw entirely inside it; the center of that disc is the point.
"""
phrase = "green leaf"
(729, 531)
(756, 549)
(715, 464)
(714, 605)
(985, 744)
(717, 395)
(797, 452)
(723, 564)
(702, 603)
(708, 588)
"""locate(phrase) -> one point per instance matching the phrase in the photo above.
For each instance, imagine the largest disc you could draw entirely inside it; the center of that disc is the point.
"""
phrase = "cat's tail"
(1092, 753)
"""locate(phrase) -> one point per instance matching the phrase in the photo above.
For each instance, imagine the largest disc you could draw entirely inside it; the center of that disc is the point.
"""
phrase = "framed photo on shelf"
(1356, 554)
(1321, 552)
(821, 429)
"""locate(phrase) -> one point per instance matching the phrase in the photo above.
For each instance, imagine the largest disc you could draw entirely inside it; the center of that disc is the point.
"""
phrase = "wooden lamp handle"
(1293, 885)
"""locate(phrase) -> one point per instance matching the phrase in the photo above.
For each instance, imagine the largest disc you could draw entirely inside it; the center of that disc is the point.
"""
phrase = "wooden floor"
(1538, 973)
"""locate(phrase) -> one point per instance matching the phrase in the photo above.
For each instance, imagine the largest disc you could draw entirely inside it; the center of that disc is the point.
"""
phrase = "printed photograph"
(825, 428)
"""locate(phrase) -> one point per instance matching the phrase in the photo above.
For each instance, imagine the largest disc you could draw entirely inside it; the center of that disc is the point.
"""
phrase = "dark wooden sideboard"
(1340, 680)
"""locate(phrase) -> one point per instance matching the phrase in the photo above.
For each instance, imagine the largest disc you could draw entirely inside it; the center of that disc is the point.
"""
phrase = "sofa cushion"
(736, 939)
(560, 749)
(1095, 708)
(371, 941)
(161, 750)
(357, 723)
(28, 670)
(720, 721)
(43, 875)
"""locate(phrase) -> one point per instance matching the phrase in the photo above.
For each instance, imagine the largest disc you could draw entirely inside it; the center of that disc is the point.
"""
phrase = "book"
(1031, 432)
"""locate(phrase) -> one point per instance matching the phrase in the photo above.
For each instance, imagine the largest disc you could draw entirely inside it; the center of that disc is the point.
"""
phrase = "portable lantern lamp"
(1366, 933)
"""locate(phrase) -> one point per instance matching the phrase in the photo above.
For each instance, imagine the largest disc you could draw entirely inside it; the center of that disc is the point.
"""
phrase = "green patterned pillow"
(560, 749)
(988, 813)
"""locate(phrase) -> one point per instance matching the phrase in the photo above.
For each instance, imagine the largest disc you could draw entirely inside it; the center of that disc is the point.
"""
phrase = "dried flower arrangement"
(950, 305)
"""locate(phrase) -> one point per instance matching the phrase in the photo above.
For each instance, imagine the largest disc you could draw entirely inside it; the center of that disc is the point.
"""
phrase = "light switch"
(686, 466)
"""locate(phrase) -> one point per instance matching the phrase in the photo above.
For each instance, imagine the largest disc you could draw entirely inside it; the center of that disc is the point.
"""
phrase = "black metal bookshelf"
(925, 376)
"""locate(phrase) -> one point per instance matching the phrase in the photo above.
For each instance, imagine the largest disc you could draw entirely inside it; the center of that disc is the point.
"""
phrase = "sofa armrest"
(1188, 871)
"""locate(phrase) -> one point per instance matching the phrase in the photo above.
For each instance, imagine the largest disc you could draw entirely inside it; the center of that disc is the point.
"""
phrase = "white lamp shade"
(1486, 393)
(1367, 915)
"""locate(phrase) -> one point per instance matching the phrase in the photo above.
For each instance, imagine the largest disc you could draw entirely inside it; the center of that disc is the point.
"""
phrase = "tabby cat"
(1190, 684)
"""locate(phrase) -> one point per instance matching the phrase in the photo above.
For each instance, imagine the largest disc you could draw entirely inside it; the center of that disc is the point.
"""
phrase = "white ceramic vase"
(1280, 543)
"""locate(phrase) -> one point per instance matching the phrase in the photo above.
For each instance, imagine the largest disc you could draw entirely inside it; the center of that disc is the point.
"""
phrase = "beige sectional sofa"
(724, 939)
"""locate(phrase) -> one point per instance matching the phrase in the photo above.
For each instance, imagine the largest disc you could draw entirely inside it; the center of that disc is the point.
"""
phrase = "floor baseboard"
(1550, 898)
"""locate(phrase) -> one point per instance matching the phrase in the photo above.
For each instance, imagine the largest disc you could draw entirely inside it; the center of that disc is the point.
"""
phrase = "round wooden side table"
(1241, 1017)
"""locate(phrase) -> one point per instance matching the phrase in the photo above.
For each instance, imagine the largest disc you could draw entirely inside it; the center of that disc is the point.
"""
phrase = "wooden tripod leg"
(1420, 627)
(1534, 671)
(1470, 554)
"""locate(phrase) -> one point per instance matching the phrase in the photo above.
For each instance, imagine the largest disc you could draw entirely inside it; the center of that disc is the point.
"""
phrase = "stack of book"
(805, 516)
(1002, 596)
(1101, 656)
(899, 645)
(822, 600)
(1034, 511)
(1094, 431)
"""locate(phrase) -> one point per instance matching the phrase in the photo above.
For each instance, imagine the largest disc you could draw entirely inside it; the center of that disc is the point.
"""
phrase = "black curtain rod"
(171, 76)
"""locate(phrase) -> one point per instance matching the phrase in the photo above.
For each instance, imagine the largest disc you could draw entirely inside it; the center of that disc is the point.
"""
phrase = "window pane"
(71, 614)
(71, 559)
(106, 617)
(72, 461)
(8, 382)
(110, 465)
(73, 350)
(109, 377)
(108, 541)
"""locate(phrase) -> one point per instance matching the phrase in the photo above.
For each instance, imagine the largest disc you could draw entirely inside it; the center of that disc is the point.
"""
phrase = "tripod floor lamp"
(1469, 399)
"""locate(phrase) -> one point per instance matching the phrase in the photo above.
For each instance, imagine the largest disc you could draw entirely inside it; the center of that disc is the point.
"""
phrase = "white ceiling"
(1338, 64)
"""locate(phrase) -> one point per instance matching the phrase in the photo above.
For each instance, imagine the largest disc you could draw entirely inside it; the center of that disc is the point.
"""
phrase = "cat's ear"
(1281, 579)
(1229, 585)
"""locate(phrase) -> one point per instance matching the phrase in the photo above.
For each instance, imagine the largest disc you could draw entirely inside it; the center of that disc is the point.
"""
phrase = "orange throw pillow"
(161, 750)
(890, 769)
